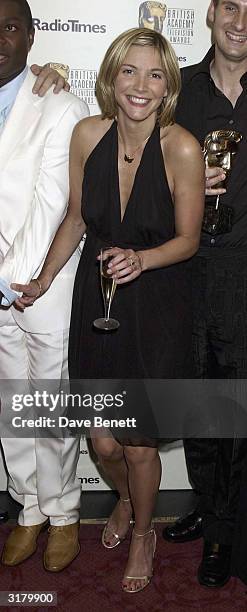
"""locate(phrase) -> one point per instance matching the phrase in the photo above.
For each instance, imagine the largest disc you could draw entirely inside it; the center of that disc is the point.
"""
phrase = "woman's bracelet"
(140, 260)
(39, 286)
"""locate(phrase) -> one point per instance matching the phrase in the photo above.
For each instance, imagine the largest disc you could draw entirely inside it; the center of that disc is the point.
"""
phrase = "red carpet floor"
(92, 582)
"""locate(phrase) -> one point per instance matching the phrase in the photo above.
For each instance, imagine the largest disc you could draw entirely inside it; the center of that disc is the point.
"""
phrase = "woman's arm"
(186, 177)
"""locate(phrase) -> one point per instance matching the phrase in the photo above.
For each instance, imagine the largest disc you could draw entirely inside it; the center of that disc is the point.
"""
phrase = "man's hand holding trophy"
(220, 147)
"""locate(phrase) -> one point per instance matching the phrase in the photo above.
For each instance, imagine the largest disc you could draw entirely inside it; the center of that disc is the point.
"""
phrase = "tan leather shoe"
(21, 543)
(62, 548)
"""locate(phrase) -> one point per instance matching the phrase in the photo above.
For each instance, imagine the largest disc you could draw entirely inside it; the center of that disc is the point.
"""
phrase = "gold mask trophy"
(219, 150)
(152, 15)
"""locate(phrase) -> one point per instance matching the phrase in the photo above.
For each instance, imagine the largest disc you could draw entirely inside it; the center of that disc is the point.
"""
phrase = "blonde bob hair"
(113, 60)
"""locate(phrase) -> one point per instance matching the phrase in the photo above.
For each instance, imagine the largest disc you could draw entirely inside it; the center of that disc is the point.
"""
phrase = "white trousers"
(42, 471)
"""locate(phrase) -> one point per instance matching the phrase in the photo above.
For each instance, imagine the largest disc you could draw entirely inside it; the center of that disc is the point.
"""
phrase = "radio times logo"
(179, 22)
(71, 25)
(89, 480)
(82, 84)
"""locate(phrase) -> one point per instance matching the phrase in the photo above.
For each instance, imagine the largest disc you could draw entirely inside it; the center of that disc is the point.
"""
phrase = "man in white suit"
(34, 145)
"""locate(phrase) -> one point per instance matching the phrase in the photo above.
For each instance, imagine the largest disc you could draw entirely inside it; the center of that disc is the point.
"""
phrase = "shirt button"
(212, 241)
(231, 121)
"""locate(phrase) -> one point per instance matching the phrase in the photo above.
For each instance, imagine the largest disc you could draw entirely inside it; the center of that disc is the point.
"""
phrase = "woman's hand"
(47, 77)
(125, 264)
(30, 293)
(213, 176)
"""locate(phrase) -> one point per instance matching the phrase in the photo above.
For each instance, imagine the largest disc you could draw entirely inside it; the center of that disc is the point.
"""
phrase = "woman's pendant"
(128, 159)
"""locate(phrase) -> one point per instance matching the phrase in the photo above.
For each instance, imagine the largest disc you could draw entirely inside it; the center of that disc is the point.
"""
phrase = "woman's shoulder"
(88, 133)
(93, 127)
(178, 141)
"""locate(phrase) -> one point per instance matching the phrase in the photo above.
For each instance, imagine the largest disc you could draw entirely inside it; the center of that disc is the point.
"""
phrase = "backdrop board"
(78, 33)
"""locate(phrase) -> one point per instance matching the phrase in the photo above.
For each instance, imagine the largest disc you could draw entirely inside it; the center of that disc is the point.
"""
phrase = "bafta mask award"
(220, 147)
(152, 15)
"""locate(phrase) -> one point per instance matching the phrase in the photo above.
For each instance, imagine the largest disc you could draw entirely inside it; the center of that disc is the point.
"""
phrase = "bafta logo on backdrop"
(179, 23)
(152, 15)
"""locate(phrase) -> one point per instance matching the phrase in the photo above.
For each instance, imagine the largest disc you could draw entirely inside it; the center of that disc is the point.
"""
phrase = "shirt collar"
(9, 91)
(243, 81)
(204, 67)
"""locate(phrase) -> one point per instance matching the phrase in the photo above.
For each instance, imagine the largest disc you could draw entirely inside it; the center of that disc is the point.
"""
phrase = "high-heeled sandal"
(116, 536)
(148, 577)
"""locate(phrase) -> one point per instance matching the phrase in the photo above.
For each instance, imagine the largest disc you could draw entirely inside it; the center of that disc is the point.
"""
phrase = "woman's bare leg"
(112, 460)
(144, 478)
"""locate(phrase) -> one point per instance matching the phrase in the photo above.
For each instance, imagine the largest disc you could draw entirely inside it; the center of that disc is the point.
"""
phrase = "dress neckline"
(135, 182)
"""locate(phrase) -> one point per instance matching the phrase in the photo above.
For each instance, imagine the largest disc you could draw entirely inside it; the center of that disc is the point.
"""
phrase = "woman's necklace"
(130, 158)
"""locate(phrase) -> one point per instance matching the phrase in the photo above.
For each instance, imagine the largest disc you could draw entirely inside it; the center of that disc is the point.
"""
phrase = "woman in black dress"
(143, 194)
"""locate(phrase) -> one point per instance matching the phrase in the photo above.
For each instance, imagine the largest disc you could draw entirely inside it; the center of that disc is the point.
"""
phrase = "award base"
(217, 220)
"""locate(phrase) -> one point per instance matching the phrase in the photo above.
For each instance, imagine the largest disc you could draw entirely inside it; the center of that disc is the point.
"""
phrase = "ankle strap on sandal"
(141, 535)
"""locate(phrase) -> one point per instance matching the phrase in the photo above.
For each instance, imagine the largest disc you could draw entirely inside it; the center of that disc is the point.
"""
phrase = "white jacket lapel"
(23, 114)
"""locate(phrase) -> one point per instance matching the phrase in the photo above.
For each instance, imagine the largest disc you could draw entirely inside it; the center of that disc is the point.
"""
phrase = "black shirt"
(203, 108)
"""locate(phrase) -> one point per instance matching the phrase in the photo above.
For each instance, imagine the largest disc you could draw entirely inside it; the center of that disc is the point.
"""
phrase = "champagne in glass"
(108, 288)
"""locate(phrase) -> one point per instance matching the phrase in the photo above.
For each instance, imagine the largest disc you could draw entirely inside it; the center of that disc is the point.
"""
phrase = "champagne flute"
(108, 288)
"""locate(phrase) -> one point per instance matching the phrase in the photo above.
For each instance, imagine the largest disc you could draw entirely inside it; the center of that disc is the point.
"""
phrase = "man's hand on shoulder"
(46, 78)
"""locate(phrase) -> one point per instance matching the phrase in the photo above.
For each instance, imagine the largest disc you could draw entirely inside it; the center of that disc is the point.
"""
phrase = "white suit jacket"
(34, 189)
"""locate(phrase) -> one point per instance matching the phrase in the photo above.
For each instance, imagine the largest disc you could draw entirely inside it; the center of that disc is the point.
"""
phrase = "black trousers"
(220, 351)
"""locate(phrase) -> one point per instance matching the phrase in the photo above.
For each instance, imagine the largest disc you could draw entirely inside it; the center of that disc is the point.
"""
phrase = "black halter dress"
(154, 310)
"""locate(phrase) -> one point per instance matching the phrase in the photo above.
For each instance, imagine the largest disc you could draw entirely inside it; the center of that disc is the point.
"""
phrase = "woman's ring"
(130, 260)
